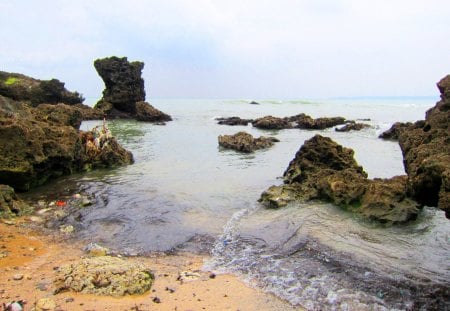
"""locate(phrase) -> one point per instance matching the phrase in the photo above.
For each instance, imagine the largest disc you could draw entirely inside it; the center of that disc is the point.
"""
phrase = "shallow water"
(185, 193)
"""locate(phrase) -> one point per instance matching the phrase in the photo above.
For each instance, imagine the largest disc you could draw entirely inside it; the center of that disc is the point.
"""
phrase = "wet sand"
(28, 260)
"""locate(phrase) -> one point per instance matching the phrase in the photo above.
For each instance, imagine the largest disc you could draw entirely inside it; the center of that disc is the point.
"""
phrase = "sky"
(234, 48)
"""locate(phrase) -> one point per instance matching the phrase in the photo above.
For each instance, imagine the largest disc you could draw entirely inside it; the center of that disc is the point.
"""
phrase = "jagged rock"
(272, 123)
(10, 204)
(104, 275)
(352, 126)
(426, 153)
(324, 170)
(20, 87)
(245, 142)
(303, 121)
(124, 94)
(234, 121)
(398, 127)
(44, 142)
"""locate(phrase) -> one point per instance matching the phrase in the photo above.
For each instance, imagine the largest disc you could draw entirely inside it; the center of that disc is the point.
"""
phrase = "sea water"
(185, 193)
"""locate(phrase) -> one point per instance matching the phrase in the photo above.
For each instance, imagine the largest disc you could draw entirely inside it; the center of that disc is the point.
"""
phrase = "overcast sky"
(234, 48)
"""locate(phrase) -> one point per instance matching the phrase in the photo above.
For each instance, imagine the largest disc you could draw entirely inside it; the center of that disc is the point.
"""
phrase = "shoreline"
(28, 270)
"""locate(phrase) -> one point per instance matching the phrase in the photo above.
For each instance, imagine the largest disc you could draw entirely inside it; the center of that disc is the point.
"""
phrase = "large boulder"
(23, 88)
(426, 153)
(324, 170)
(124, 93)
(38, 144)
(245, 142)
(104, 275)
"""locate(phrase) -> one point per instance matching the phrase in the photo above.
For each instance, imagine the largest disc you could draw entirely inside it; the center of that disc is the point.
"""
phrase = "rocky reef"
(44, 142)
(245, 142)
(324, 170)
(124, 93)
(104, 275)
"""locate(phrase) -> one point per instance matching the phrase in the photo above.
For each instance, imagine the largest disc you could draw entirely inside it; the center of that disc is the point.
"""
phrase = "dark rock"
(245, 142)
(10, 204)
(272, 123)
(253, 103)
(124, 94)
(20, 87)
(303, 121)
(44, 142)
(426, 153)
(398, 127)
(324, 170)
(233, 121)
(352, 126)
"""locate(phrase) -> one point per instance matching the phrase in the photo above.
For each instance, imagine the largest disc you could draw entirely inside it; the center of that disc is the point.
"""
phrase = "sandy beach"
(29, 260)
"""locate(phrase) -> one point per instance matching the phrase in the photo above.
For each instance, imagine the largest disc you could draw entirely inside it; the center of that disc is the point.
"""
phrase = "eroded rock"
(104, 275)
(10, 204)
(245, 142)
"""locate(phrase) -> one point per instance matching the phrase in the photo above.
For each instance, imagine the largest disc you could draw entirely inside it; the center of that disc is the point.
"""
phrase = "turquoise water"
(184, 193)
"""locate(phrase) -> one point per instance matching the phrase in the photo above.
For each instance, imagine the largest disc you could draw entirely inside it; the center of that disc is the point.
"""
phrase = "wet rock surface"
(324, 170)
(426, 152)
(352, 126)
(104, 275)
(245, 142)
(124, 94)
(41, 143)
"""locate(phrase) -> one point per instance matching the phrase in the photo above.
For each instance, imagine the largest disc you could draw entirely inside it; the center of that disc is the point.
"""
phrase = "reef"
(245, 142)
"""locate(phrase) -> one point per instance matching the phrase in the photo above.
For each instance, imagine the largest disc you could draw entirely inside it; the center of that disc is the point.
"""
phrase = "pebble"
(36, 219)
(17, 277)
(45, 304)
(68, 229)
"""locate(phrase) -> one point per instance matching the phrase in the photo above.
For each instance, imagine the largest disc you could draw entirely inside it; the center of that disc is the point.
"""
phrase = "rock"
(41, 143)
(426, 153)
(45, 304)
(20, 87)
(352, 126)
(67, 229)
(10, 204)
(186, 276)
(272, 123)
(253, 103)
(245, 142)
(303, 121)
(95, 250)
(324, 170)
(399, 127)
(233, 121)
(104, 276)
(17, 277)
(124, 94)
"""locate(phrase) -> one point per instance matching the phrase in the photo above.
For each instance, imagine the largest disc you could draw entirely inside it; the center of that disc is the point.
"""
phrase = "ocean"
(186, 194)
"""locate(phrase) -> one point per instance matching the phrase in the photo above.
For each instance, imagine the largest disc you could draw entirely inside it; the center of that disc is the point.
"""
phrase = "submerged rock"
(124, 94)
(245, 142)
(233, 121)
(352, 126)
(426, 153)
(324, 170)
(104, 275)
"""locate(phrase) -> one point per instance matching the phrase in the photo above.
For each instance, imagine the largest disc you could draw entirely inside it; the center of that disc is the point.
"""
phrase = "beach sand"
(28, 260)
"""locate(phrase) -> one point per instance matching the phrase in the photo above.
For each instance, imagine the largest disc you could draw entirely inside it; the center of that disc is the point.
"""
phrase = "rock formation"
(10, 204)
(352, 126)
(272, 123)
(41, 143)
(124, 94)
(104, 275)
(426, 153)
(245, 142)
(324, 170)
(233, 121)
(23, 88)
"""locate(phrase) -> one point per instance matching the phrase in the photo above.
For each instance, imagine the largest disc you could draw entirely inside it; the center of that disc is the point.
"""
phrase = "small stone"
(45, 304)
(70, 299)
(17, 277)
(85, 201)
(68, 229)
(43, 211)
(156, 300)
(41, 203)
(36, 219)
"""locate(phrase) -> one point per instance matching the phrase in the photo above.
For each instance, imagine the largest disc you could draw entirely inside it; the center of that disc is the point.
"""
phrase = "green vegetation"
(11, 80)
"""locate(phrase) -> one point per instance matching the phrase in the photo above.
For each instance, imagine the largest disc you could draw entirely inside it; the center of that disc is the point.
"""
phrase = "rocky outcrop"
(10, 204)
(124, 94)
(20, 87)
(38, 144)
(324, 170)
(233, 121)
(104, 275)
(352, 126)
(397, 128)
(272, 123)
(426, 153)
(245, 142)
